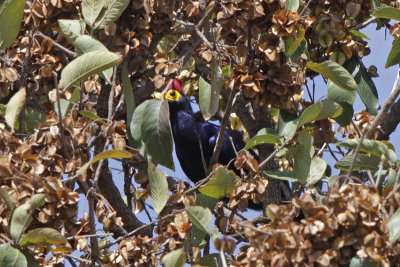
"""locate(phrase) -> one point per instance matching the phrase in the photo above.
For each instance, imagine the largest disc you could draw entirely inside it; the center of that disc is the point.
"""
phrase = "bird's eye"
(172, 93)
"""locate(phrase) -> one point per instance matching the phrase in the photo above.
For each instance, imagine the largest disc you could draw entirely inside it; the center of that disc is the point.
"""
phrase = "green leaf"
(394, 55)
(317, 170)
(32, 118)
(113, 10)
(221, 184)
(366, 87)
(394, 227)
(174, 258)
(355, 33)
(386, 12)
(201, 217)
(32, 261)
(91, 115)
(6, 197)
(209, 93)
(20, 221)
(282, 175)
(48, 237)
(156, 132)
(11, 257)
(91, 10)
(206, 201)
(37, 201)
(158, 187)
(65, 105)
(210, 260)
(84, 44)
(11, 14)
(21, 217)
(287, 124)
(363, 162)
(347, 116)
(14, 107)
(292, 5)
(114, 153)
(263, 137)
(72, 28)
(391, 180)
(87, 65)
(339, 95)
(358, 262)
(302, 154)
(323, 109)
(136, 124)
(292, 44)
(128, 93)
(334, 72)
(373, 147)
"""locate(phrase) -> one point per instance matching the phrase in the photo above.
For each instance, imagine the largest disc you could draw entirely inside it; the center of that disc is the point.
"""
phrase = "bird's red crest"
(176, 85)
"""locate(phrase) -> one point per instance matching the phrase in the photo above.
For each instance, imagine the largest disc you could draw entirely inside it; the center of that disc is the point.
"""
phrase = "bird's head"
(175, 91)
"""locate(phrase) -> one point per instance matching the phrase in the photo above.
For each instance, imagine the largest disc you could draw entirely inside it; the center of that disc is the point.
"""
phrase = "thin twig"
(365, 23)
(224, 123)
(263, 164)
(203, 159)
(378, 119)
(65, 50)
(92, 230)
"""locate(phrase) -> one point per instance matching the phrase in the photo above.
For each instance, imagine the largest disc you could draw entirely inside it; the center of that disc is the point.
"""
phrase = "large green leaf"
(201, 217)
(14, 107)
(91, 10)
(264, 136)
(317, 170)
(221, 184)
(373, 147)
(20, 220)
(394, 227)
(363, 162)
(114, 153)
(136, 124)
(394, 55)
(111, 12)
(86, 65)
(302, 154)
(49, 237)
(323, 109)
(72, 28)
(366, 87)
(156, 132)
(84, 44)
(11, 257)
(336, 73)
(339, 95)
(11, 13)
(128, 93)
(209, 93)
(174, 258)
(158, 187)
(386, 12)
(287, 124)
